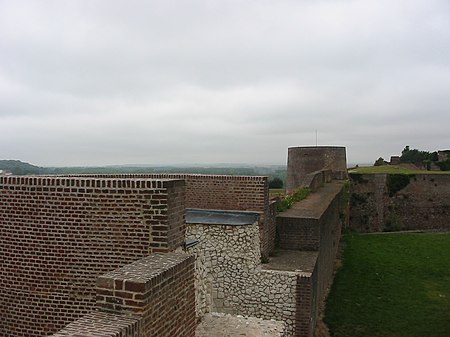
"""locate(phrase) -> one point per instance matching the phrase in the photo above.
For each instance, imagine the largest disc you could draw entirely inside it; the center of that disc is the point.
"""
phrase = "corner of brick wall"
(158, 288)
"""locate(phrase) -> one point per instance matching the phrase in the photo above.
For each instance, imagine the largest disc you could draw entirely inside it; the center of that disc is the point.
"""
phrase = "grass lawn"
(395, 169)
(392, 285)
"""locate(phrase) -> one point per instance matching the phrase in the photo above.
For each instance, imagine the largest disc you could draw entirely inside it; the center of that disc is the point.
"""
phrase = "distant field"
(393, 169)
(392, 285)
(276, 192)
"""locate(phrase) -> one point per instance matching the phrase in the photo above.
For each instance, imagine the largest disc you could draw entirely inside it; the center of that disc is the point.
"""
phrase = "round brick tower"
(305, 160)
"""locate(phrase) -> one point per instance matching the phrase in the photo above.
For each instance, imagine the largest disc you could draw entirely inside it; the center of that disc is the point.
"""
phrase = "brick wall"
(422, 204)
(58, 234)
(314, 224)
(154, 296)
(224, 192)
(307, 304)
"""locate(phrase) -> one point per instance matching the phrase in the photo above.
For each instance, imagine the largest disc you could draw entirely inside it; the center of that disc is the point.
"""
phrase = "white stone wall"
(232, 276)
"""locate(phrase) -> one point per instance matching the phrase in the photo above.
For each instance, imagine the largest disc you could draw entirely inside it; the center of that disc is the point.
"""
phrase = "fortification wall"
(58, 234)
(305, 160)
(382, 202)
(314, 224)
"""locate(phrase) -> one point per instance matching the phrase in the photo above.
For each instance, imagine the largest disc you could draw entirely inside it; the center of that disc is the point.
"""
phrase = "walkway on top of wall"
(292, 260)
(316, 203)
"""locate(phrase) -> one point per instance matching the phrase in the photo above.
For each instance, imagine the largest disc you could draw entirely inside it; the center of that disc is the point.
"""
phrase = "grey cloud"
(201, 81)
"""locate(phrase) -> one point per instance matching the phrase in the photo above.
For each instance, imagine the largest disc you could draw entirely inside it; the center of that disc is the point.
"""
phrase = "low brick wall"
(382, 202)
(58, 234)
(154, 296)
(101, 324)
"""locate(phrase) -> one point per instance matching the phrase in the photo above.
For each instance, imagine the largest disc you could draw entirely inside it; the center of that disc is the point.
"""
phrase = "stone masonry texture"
(305, 160)
(58, 234)
(423, 203)
(235, 282)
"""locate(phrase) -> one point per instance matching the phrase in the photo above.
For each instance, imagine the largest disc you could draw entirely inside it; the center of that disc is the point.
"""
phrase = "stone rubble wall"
(422, 204)
(236, 283)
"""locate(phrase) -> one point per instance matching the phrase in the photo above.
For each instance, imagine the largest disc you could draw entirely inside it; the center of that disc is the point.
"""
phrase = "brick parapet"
(220, 192)
(101, 324)
(223, 192)
(159, 288)
(59, 233)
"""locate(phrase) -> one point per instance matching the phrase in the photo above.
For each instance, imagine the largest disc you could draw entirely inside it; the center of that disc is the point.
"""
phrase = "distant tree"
(434, 156)
(415, 156)
(276, 183)
(379, 162)
(444, 165)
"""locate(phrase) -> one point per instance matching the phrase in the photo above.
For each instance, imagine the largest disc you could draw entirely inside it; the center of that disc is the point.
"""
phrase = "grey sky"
(164, 82)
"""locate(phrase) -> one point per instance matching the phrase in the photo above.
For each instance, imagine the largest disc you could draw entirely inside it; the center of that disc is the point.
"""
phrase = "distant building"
(5, 173)
(395, 160)
(443, 155)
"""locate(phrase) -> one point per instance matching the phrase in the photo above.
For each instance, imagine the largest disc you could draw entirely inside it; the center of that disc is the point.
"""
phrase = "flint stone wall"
(235, 282)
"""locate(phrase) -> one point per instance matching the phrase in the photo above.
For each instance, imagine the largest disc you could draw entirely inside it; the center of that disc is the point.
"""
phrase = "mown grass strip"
(392, 285)
(392, 169)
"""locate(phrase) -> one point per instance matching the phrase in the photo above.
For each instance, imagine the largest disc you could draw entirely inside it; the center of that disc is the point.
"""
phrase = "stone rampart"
(386, 202)
(58, 234)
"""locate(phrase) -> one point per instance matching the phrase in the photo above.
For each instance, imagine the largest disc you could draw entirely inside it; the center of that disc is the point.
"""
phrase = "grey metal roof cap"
(212, 217)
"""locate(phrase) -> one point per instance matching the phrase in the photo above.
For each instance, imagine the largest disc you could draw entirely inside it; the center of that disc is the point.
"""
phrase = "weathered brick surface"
(58, 234)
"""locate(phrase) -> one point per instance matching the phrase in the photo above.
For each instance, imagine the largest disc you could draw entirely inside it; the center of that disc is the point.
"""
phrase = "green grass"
(288, 200)
(392, 285)
(395, 169)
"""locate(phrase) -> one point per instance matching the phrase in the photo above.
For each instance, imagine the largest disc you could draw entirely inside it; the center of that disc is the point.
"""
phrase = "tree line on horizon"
(419, 157)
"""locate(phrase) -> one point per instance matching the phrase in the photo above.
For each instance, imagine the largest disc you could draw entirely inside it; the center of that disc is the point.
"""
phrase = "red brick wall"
(224, 192)
(154, 296)
(58, 234)
(159, 289)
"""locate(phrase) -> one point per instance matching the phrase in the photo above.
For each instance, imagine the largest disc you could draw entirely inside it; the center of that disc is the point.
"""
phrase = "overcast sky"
(169, 82)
